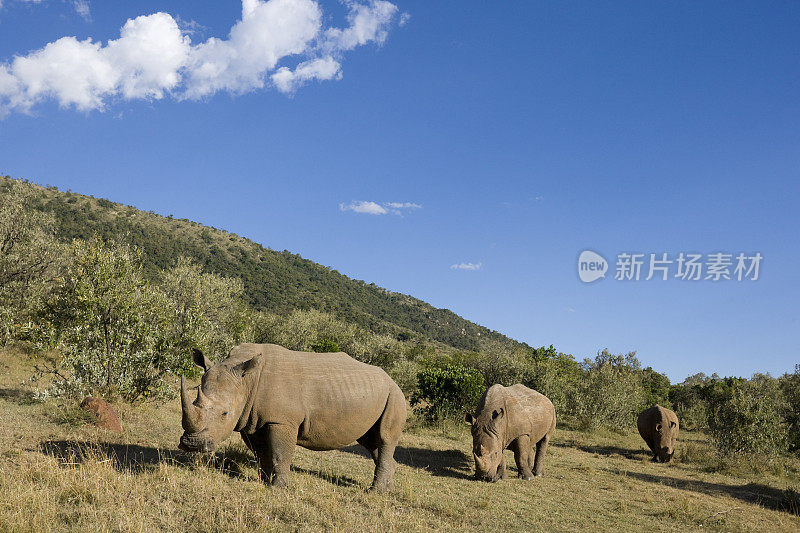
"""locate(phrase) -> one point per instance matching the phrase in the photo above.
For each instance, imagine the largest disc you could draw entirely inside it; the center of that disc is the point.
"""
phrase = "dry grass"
(58, 473)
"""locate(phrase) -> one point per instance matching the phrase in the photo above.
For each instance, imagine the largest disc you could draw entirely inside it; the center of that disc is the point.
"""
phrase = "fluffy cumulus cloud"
(374, 208)
(467, 266)
(154, 58)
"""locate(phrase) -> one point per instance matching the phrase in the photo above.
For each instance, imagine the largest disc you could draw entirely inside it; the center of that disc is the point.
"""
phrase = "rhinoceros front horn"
(191, 413)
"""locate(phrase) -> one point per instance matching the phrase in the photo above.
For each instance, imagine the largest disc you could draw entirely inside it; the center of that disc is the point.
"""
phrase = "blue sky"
(526, 132)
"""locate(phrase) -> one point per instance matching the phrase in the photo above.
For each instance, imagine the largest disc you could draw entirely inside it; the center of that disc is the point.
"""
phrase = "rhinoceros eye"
(225, 413)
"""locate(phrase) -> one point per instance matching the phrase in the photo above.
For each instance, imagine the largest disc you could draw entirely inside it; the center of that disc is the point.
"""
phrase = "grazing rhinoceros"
(515, 418)
(277, 398)
(658, 426)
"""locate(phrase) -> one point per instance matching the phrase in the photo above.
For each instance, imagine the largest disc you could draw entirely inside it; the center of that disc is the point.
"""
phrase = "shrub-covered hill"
(274, 281)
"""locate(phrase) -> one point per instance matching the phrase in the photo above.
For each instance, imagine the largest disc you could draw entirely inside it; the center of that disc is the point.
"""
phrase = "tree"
(610, 392)
(750, 421)
(28, 255)
(447, 391)
(205, 310)
(656, 387)
(109, 325)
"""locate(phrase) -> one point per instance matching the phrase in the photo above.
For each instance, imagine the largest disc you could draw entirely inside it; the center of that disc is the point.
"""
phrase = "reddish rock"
(106, 417)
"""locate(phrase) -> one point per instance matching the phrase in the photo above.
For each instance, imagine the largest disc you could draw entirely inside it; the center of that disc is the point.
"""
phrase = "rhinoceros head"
(487, 445)
(221, 398)
(666, 431)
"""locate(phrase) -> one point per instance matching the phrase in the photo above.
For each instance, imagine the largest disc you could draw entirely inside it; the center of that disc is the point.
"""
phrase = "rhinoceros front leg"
(257, 442)
(523, 452)
(281, 441)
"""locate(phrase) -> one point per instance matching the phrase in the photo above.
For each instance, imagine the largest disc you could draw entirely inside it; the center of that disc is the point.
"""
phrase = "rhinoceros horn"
(191, 413)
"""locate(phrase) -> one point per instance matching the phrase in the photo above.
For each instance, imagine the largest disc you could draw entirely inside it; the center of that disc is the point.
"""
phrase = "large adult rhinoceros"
(277, 398)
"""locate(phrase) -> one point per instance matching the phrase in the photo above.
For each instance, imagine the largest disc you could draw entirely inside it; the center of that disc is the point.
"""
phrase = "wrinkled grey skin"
(278, 398)
(659, 427)
(512, 418)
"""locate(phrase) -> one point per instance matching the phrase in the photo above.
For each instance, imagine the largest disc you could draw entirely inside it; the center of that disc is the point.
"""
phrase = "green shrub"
(109, 326)
(750, 420)
(609, 393)
(447, 391)
(204, 311)
(790, 386)
(325, 346)
(555, 375)
(303, 330)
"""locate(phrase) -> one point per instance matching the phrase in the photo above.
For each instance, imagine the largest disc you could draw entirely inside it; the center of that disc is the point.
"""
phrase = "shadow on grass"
(755, 493)
(336, 479)
(444, 463)
(17, 395)
(611, 451)
(134, 458)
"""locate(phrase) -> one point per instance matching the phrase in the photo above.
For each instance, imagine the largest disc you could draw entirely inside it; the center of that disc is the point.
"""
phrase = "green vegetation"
(113, 300)
(276, 282)
(445, 391)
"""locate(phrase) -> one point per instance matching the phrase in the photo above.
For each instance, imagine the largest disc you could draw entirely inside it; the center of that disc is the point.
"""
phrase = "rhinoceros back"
(332, 398)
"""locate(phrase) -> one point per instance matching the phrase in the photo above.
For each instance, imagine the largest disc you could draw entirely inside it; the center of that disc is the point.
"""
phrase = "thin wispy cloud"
(81, 6)
(467, 266)
(82, 9)
(367, 208)
(374, 208)
(154, 57)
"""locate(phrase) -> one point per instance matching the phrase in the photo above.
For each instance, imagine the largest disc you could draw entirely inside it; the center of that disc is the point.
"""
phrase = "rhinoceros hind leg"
(381, 441)
(541, 449)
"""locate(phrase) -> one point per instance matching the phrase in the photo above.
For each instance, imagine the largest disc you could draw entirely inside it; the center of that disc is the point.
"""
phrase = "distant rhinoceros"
(277, 398)
(515, 418)
(658, 426)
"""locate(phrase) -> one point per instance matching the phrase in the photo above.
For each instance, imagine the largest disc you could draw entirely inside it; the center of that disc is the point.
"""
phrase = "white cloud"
(288, 81)
(154, 58)
(368, 22)
(142, 63)
(467, 266)
(82, 9)
(369, 208)
(404, 18)
(402, 205)
(374, 208)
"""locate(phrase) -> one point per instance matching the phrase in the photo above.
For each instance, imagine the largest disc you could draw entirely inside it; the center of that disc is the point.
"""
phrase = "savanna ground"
(59, 473)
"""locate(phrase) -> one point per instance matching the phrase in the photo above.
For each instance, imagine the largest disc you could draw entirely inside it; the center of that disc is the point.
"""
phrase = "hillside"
(275, 281)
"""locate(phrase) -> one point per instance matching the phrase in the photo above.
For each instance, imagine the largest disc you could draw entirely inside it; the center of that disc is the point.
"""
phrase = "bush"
(790, 386)
(447, 391)
(696, 399)
(29, 259)
(555, 375)
(109, 325)
(750, 420)
(205, 311)
(325, 346)
(609, 393)
(305, 330)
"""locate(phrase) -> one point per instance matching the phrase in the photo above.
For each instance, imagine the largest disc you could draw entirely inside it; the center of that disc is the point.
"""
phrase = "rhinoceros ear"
(469, 419)
(497, 413)
(201, 360)
(242, 369)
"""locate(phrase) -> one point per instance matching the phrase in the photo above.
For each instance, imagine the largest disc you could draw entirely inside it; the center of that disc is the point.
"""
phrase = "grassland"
(59, 473)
